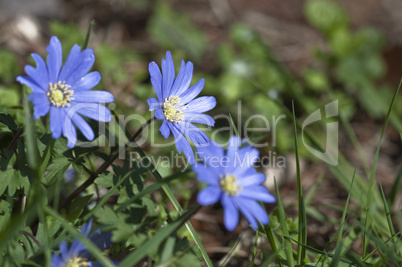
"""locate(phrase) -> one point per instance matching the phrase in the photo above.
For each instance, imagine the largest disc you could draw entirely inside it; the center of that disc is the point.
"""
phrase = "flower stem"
(112, 157)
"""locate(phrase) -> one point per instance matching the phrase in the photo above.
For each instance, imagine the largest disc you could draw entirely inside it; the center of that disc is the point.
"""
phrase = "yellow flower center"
(172, 109)
(59, 95)
(76, 262)
(229, 185)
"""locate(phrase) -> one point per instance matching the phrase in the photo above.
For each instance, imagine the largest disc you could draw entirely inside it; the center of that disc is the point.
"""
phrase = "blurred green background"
(264, 54)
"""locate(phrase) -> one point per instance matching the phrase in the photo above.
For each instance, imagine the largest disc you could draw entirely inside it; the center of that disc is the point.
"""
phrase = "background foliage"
(326, 215)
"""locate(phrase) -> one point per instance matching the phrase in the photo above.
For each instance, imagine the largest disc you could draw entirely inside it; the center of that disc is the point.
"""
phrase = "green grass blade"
(339, 242)
(168, 249)
(343, 172)
(373, 172)
(302, 235)
(355, 142)
(45, 244)
(383, 247)
(312, 190)
(30, 139)
(271, 258)
(284, 227)
(395, 189)
(46, 156)
(317, 251)
(226, 259)
(161, 235)
(271, 239)
(86, 41)
(389, 219)
(234, 126)
(251, 264)
(95, 251)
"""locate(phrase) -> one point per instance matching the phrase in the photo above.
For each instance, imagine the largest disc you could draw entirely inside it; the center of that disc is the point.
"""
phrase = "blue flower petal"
(183, 79)
(168, 74)
(54, 59)
(57, 117)
(192, 92)
(184, 84)
(257, 192)
(252, 210)
(101, 239)
(230, 213)
(75, 249)
(57, 261)
(209, 151)
(209, 195)
(69, 132)
(245, 158)
(86, 228)
(182, 144)
(40, 73)
(244, 209)
(199, 118)
(201, 104)
(96, 112)
(153, 103)
(41, 104)
(256, 210)
(255, 179)
(179, 79)
(156, 80)
(87, 82)
(93, 96)
(206, 174)
(232, 149)
(84, 127)
(84, 64)
(164, 129)
(63, 249)
(71, 63)
(193, 133)
(28, 81)
(159, 114)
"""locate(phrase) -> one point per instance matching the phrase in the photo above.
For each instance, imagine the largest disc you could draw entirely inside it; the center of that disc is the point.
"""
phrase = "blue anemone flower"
(77, 254)
(64, 91)
(234, 181)
(177, 107)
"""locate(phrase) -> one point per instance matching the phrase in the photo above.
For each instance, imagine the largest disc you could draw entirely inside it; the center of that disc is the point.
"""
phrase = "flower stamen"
(172, 109)
(229, 185)
(59, 95)
(76, 262)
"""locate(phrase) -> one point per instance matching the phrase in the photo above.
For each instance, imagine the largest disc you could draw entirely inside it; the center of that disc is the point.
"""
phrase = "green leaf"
(13, 180)
(56, 170)
(76, 207)
(5, 211)
(156, 240)
(105, 179)
(120, 229)
(302, 227)
(9, 121)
